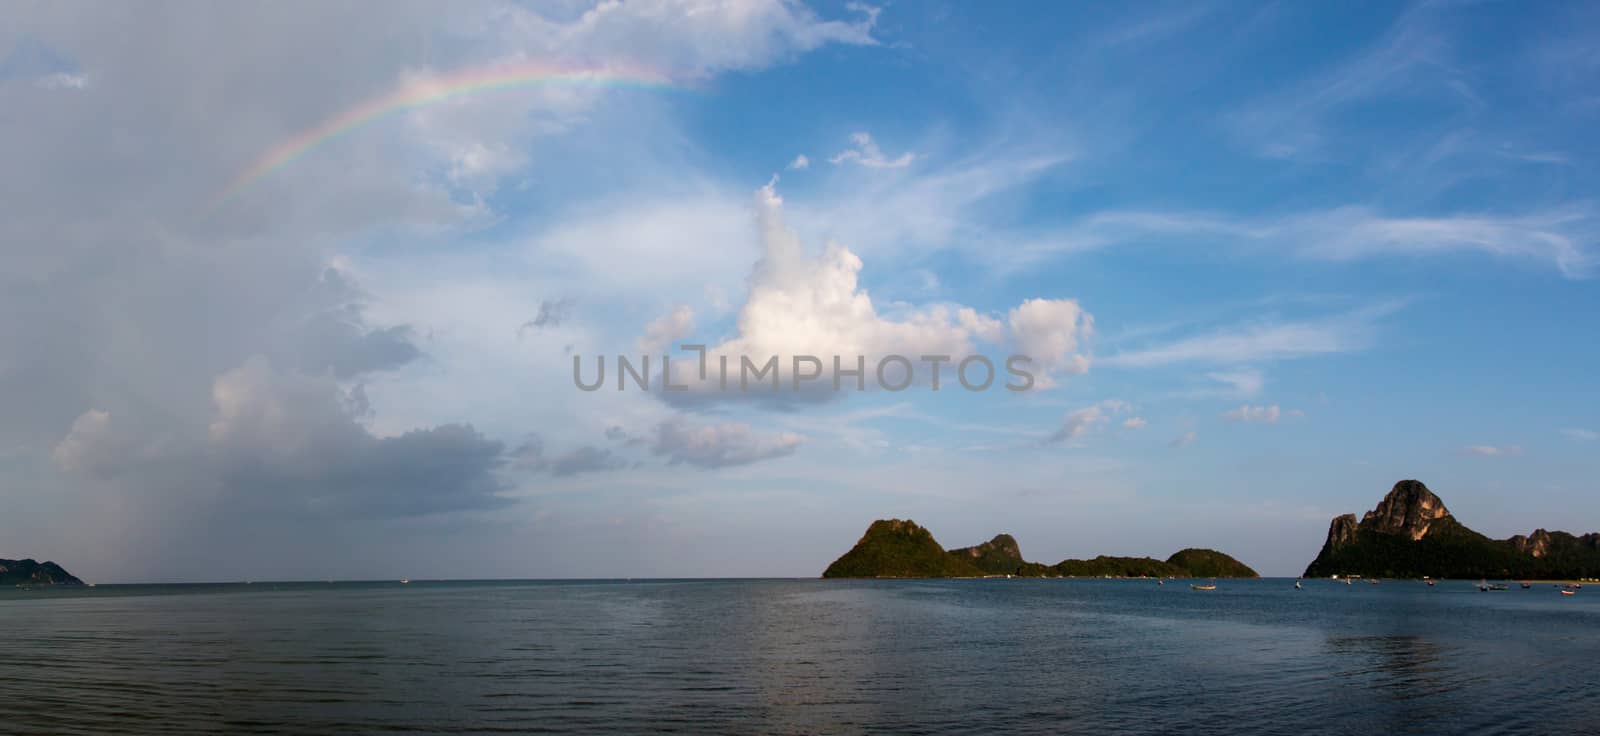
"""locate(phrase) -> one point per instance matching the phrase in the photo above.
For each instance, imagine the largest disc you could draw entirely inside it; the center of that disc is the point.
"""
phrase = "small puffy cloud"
(552, 312)
(866, 153)
(799, 162)
(1491, 450)
(62, 80)
(1582, 435)
(1082, 421)
(1048, 331)
(667, 329)
(1134, 422)
(1259, 414)
(719, 445)
(1184, 440)
(1078, 423)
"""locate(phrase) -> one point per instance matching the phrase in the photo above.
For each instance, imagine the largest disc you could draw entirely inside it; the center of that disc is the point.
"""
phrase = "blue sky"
(1277, 256)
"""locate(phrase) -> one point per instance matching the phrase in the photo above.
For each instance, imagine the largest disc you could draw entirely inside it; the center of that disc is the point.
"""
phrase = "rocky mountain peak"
(1536, 544)
(1003, 545)
(1341, 532)
(1409, 509)
(30, 572)
(894, 526)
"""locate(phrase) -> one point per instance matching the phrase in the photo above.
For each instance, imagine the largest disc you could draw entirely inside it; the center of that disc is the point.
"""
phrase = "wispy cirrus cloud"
(1252, 343)
(865, 152)
(1491, 450)
(1411, 59)
(1243, 382)
(1561, 235)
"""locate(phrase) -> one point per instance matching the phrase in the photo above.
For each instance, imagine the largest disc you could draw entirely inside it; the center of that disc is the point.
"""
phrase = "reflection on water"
(1399, 667)
(799, 656)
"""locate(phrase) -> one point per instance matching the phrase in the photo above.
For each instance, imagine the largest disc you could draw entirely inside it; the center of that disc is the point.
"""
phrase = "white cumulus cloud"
(1048, 331)
(800, 304)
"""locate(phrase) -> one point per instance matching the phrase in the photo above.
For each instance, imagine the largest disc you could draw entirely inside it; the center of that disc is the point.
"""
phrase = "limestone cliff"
(30, 572)
(1412, 534)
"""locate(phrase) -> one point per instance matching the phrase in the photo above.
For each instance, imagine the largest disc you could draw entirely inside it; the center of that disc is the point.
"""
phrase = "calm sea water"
(801, 656)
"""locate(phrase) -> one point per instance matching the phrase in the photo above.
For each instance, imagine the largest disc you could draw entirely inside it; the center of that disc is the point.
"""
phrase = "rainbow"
(423, 90)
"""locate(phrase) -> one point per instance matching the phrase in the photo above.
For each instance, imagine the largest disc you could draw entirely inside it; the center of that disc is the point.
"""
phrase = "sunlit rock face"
(1410, 509)
(1341, 532)
(1411, 534)
(1536, 544)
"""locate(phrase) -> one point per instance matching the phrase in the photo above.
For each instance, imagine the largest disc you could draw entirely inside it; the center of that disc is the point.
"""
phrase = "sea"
(1025, 656)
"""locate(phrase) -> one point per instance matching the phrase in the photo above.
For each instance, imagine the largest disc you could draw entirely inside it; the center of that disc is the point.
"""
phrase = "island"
(31, 572)
(1412, 535)
(900, 548)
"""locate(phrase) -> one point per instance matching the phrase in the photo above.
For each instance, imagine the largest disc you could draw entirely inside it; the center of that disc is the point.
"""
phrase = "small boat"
(1297, 585)
(1430, 583)
(405, 581)
(1161, 582)
(1347, 581)
(1569, 592)
(1526, 586)
(1374, 581)
(1211, 586)
(1485, 586)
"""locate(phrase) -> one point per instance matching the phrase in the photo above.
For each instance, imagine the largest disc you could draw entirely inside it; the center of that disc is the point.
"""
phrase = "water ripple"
(785, 657)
